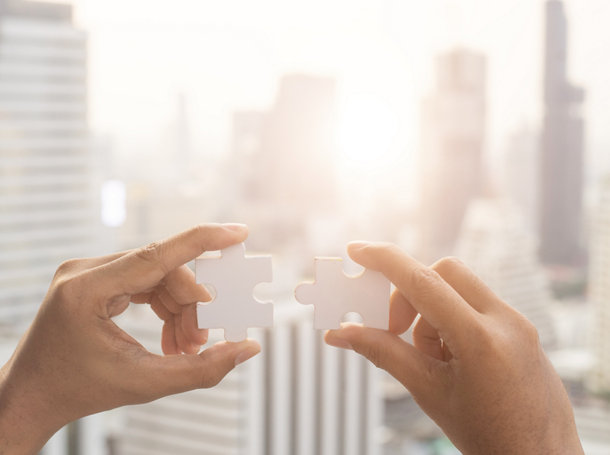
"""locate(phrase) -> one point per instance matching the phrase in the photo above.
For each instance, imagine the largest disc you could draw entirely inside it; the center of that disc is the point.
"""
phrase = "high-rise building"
(599, 290)
(299, 396)
(520, 173)
(562, 152)
(289, 176)
(48, 208)
(246, 157)
(453, 133)
(495, 243)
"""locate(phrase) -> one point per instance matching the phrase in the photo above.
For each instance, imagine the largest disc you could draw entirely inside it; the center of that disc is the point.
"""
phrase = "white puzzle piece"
(334, 294)
(234, 276)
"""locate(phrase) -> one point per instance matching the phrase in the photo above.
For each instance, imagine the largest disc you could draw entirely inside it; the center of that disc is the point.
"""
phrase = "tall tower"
(48, 211)
(521, 174)
(562, 152)
(292, 178)
(453, 132)
(599, 290)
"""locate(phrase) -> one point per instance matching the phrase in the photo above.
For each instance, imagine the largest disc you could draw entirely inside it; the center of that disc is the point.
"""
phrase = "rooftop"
(56, 12)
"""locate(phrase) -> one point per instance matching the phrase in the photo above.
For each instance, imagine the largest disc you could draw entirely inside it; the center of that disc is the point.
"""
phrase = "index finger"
(145, 267)
(424, 288)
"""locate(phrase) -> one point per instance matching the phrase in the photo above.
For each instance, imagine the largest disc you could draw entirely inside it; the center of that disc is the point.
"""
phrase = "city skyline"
(205, 117)
(396, 78)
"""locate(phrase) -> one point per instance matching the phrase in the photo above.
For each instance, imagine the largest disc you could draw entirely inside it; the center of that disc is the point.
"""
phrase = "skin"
(74, 360)
(475, 366)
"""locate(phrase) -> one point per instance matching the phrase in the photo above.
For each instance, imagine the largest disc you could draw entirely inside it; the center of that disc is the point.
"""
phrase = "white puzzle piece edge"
(234, 276)
(334, 294)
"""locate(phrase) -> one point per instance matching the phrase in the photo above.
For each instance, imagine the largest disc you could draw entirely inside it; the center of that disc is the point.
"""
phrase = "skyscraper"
(496, 244)
(453, 133)
(290, 178)
(48, 211)
(48, 198)
(562, 152)
(298, 141)
(246, 156)
(599, 290)
(521, 174)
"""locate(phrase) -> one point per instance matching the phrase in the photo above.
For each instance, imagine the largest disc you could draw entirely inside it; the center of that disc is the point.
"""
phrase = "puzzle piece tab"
(334, 294)
(234, 276)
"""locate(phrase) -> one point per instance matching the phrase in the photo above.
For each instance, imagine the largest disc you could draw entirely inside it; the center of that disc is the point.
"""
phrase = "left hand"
(75, 361)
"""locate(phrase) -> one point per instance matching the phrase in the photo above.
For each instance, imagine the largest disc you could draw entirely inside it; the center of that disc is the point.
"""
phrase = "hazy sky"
(229, 55)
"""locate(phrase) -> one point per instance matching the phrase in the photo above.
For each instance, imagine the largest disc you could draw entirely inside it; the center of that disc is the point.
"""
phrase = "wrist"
(558, 439)
(26, 418)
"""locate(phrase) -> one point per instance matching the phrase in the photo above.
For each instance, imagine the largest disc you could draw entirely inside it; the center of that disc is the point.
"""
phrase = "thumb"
(390, 352)
(180, 373)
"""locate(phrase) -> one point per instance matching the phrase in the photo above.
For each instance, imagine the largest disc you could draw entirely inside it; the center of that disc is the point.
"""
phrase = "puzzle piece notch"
(334, 294)
(234, 276)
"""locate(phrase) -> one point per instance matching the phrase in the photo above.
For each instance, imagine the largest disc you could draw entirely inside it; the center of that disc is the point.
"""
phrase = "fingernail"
(340, 343)
(235, 226)
(248, 353)
(358, 244)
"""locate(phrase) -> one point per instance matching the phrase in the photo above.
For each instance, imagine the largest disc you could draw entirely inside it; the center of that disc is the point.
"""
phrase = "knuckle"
(529, 332)
(376, 353)
(66, 267)
(149, 253)
(202, 230)
(519, 327)
(209, 369)
(423, 330)
(483, 336)
(447, 265)
(503, 338)
(423, 277)
(210, 378)
(391, 248)
(67, 289)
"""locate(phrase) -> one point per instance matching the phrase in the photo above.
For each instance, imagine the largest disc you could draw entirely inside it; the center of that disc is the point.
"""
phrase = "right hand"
(475, 367)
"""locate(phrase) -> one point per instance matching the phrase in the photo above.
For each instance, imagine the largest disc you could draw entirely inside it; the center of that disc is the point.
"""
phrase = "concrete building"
(521, 174)
(562, 152)
(299, 396)
(246, 160)
(496, 245)
(453, 134)
(287, 156)
(48, 211)
(599, 291)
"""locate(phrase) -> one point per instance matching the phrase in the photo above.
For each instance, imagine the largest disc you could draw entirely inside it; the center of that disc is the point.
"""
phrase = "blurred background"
(471, 128)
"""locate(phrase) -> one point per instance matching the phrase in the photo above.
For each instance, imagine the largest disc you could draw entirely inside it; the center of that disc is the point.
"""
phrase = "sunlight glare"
(367, 131)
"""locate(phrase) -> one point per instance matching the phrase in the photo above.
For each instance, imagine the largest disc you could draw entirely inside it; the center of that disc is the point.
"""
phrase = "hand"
(476, 365)
(75, 361)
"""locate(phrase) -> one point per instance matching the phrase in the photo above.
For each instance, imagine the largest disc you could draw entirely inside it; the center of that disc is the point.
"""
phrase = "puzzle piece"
(234, 276)
(334, 294)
